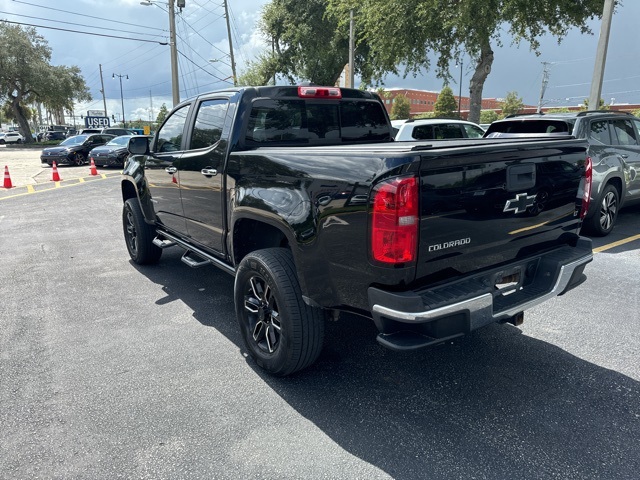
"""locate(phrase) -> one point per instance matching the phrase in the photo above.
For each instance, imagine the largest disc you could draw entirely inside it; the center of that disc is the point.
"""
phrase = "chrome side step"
(169, 240)
(192, 262)
(163, 242)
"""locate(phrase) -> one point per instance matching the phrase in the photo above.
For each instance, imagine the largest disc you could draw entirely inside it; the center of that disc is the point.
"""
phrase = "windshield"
(123, 140)
(77, 140)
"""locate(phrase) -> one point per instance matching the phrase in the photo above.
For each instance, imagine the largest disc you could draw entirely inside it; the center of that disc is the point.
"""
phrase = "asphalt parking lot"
(28, 174)
(111, 370)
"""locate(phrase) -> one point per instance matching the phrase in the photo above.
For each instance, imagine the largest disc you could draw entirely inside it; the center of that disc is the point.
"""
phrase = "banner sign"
(96, 122)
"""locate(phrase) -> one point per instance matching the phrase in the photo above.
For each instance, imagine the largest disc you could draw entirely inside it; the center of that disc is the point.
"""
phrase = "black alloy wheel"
(79, 159)
(139, 234)
(281, 332)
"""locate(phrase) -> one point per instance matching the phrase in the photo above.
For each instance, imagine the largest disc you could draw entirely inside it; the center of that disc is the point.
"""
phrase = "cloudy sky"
(204, 61)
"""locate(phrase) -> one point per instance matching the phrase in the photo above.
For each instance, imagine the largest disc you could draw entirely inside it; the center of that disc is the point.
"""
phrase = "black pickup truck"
(302, 195)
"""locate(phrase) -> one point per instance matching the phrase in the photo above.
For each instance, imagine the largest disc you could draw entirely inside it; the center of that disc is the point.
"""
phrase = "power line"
(77, 24)
(88, 16)
(84, 33)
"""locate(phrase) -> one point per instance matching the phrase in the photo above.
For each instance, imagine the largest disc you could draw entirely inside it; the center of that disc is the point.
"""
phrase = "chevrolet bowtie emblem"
(520, 203)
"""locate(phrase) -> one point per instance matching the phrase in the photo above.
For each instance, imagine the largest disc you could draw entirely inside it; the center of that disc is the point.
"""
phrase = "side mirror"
(138, 145)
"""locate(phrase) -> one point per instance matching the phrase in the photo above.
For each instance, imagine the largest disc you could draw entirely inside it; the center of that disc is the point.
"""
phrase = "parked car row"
(104, 149)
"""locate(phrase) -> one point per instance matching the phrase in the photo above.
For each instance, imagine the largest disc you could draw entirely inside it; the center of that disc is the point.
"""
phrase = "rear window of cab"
(302, 122)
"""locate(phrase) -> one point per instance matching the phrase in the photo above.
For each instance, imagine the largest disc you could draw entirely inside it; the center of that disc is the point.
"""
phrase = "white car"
(11, 137)
(434, 129)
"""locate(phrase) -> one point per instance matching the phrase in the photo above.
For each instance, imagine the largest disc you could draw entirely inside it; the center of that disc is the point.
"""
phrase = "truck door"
(202, 176)
(162, 171)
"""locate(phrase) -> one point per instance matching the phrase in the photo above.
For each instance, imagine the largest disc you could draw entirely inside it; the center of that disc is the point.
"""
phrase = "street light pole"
(114, 75)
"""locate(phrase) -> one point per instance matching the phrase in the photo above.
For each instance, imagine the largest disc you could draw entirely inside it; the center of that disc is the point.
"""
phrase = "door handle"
(171, 170)
(209, 172)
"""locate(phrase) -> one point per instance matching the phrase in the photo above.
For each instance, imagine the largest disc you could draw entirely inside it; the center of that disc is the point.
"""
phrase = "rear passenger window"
(624, 132)
(600, 132)
(423, 132)
(209, 123)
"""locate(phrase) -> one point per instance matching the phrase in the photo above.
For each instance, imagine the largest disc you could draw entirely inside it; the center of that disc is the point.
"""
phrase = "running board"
(169, 240)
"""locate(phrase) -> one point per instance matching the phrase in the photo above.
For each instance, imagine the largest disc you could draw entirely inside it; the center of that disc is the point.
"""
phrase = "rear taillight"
(586, 191)
(394, 232)
(319, 92)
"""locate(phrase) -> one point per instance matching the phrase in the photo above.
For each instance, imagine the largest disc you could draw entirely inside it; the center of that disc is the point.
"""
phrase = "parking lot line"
(45, 187)
(616, 244)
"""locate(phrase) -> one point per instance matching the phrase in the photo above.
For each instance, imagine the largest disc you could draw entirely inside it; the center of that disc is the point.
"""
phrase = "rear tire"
(139, 234)
(604, 220)
(281, 332)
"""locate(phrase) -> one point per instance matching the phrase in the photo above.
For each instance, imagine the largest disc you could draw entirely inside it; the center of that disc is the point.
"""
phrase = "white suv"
(434, 129)
(11, 137)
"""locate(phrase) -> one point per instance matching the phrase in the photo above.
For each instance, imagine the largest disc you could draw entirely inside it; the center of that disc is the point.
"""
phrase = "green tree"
(422, 29)
(558, 110)
(446, 105)
(424, 115)
(26, 75)
(401, 108)
(259, 72)
(307, 43)
(162, 114)
(601, 105)
(488, 116)
(511, 104)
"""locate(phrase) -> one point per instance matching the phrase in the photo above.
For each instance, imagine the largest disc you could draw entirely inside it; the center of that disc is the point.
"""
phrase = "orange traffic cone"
(7, 178)
(94, 170)
(55, 177)
(173, 178)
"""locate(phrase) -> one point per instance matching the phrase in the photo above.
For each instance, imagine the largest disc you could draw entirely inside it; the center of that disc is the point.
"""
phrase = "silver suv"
(614, 148)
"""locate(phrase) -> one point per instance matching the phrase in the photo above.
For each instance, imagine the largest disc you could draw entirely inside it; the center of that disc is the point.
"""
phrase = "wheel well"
(250, 235)
(616, 182)
(128, 191)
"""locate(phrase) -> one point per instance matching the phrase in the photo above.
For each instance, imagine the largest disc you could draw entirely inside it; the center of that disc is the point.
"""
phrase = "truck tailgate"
(488, 206)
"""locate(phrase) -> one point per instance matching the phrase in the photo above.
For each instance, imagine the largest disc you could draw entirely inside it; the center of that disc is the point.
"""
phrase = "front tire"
(139, 234)
(603, 221)
(282, 333)
(79, 159)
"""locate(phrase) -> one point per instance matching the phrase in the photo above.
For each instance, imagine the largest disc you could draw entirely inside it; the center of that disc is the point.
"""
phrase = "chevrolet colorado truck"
(301, 194)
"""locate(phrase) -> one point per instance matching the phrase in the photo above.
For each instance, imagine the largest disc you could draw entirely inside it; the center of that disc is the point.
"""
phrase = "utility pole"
(351, 52)
(601, 56)
(233, 62)
(114, 75)
(460, 89)
(175, 88)
(104, 100)
(545, 82)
